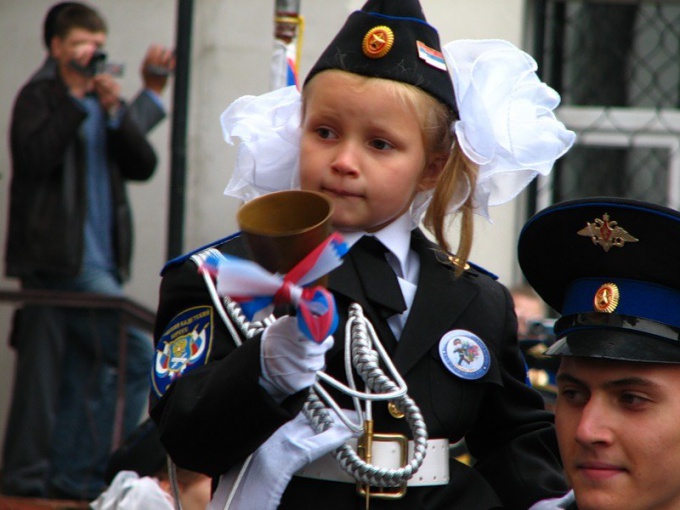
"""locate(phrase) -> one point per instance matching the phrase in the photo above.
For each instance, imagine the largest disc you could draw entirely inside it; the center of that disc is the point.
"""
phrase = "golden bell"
(281, 228)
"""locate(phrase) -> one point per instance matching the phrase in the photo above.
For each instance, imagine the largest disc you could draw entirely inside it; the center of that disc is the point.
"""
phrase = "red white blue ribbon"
(257, 290)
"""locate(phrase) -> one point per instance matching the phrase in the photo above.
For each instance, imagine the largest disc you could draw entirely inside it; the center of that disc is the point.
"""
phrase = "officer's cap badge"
(378, 42)
(606, 233)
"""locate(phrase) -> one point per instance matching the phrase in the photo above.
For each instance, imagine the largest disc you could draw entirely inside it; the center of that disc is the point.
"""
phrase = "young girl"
(379, 131)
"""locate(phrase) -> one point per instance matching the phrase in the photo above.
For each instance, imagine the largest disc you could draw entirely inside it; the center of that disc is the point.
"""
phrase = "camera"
(97, 65)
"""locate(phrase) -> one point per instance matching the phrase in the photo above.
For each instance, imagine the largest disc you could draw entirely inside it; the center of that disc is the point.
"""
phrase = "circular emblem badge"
(606, 298)
(464, 354)
(378, 42)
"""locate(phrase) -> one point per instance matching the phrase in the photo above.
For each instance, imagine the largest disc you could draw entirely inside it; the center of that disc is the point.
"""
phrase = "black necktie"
(377, 276)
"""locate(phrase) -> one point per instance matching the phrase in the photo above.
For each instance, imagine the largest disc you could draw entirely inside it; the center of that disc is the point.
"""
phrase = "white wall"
(232, 43)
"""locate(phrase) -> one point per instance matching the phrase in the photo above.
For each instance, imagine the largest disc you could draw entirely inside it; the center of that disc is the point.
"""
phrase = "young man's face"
(618, 426)
(79, 45)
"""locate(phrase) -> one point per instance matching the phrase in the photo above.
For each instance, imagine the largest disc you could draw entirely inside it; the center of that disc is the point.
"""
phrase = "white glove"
(289, 359)
(294, 445)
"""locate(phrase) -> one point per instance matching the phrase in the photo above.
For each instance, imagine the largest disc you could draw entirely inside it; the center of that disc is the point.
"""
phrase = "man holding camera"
(74, 143)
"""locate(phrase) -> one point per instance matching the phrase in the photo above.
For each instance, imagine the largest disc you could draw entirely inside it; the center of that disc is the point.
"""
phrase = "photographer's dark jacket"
(48, 190)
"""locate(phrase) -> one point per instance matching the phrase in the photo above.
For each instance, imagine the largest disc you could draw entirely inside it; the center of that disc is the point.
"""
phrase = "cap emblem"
(606, 233)
(378, 42)
(606, 298)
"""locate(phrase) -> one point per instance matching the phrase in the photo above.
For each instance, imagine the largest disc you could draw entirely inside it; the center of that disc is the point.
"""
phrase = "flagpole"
(180, 124)
(288, 34)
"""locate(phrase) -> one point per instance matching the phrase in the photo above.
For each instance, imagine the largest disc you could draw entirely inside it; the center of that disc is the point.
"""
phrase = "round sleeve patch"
(185, 345)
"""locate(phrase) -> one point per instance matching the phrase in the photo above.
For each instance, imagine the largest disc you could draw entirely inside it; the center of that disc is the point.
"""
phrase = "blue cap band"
(637, 299)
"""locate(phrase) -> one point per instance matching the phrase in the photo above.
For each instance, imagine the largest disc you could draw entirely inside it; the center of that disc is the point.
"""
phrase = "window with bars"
(616, 64)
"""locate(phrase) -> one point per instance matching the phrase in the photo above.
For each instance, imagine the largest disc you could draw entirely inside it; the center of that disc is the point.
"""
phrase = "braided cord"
(366, 362)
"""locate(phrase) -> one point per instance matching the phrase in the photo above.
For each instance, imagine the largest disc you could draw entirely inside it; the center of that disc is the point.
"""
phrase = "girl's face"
(363, 147)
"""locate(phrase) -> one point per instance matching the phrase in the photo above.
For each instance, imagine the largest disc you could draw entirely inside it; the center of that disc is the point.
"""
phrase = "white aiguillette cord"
(360, 338)
(363, 352)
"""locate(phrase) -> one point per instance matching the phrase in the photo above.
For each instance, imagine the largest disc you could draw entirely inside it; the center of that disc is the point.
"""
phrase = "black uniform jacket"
(217, 414)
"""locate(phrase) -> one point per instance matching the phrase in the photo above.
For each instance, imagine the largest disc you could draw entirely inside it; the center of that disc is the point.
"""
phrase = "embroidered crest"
(464, 354)
(185, 344)
(606, 233)
(606, 298)
(378, 42)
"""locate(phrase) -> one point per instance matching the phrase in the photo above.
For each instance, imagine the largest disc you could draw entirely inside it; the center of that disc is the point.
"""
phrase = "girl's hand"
(289, 360)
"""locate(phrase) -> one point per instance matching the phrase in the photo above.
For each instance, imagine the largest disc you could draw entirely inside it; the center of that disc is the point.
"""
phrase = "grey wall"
(232, 41)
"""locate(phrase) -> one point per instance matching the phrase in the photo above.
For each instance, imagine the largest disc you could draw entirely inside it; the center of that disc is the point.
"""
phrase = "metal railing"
(131, 312)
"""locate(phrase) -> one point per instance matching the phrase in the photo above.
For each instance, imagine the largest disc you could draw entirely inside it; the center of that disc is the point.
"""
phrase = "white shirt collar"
(396, 237)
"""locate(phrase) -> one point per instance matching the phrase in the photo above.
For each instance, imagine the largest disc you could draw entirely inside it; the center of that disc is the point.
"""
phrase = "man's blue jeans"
(63, 404)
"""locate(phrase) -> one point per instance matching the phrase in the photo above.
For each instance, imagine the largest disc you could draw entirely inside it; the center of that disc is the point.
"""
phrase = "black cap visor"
(616, 344)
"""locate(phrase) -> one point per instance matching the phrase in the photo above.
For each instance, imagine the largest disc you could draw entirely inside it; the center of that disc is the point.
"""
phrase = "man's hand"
(78, 83)
(108, 92)
(158, 64)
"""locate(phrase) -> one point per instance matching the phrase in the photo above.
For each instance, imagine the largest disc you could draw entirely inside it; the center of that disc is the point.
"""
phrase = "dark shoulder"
(46, 93)
(232, 245)
(470, 268)
(421, 244)
(182, 285)
(45, 79)
(474, 280)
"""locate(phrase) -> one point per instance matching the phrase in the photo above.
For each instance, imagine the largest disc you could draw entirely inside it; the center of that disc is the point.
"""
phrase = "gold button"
(394, 410)
(456, 261)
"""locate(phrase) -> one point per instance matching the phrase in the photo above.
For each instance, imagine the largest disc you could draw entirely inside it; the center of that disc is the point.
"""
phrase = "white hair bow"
(507, 124)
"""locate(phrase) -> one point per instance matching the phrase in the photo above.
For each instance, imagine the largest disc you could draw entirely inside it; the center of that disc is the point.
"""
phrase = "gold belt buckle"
(365, 451)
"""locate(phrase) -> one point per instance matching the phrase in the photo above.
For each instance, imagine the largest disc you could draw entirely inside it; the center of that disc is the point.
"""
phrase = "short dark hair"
(73, 15)
(51, 18)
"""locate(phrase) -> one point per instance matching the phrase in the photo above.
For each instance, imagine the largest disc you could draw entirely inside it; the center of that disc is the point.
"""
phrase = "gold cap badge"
(378, 42)
(606, 233)
(606, 298)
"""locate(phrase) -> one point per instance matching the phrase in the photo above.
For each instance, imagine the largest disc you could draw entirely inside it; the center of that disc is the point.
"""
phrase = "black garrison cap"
(611, 268)
(391, 39)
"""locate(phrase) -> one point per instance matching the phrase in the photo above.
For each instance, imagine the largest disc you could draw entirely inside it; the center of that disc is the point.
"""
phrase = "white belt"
(387, 455)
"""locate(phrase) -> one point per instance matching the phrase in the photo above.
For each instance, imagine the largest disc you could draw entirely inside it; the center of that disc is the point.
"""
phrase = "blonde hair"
(435, 119)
